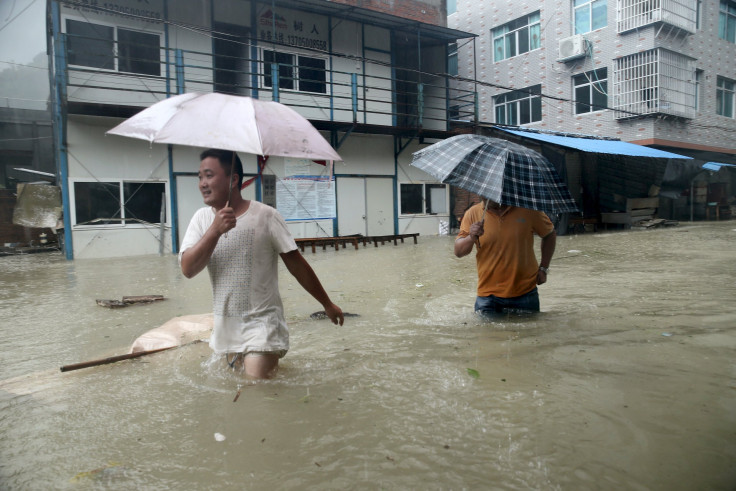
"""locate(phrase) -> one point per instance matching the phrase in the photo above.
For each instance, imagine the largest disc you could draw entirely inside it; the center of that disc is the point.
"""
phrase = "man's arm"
(464, 245)
(195, 259)
(549, 243)
(307, 278)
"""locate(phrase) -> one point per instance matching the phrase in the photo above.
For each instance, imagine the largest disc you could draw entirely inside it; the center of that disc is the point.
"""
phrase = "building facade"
(372, 77)
(656, 73)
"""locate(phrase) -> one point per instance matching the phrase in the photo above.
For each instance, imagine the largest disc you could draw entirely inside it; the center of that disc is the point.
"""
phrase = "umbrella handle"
(482, 221)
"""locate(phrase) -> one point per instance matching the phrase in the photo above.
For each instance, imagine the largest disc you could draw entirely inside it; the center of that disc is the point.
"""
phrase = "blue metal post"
(174, 207)
(59, 125)
(179, 71)
(420, 102)
(354, 93)
(275, 81)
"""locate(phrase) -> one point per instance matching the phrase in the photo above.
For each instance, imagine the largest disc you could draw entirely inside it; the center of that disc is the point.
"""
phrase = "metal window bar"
(657, 81)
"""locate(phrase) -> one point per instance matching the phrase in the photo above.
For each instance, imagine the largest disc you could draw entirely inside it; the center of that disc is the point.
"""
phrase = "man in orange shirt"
(508, 272)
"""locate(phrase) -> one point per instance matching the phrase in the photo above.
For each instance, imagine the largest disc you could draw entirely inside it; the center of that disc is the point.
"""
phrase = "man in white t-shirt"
(239, 241)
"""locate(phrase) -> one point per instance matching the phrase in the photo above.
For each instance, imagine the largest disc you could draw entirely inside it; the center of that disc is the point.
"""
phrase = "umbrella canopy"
(499, 170)
(228, 122)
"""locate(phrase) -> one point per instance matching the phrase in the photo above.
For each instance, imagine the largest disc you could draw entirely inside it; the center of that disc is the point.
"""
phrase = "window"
(93, 45)
(451, 7)
(516, 37)
(591, 91)
(590, 15)
(452, 66)
(519, 106)
(727, 21)
(698, 87)
(296, 72)
(99, 203)
(424, 199)
(725, 95)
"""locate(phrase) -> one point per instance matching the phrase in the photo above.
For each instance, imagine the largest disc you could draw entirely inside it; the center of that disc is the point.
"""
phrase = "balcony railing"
(320, 88)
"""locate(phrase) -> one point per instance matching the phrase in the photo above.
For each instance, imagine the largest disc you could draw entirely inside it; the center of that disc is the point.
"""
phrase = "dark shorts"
(492, 305)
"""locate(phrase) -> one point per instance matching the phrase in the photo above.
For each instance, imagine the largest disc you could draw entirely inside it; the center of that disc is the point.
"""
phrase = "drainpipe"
(59, 123)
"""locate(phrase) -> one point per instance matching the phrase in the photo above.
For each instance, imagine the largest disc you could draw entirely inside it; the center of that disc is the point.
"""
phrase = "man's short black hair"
(226, 161)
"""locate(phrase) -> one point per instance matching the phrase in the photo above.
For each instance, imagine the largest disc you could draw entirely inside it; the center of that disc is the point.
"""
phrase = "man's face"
(213, 183)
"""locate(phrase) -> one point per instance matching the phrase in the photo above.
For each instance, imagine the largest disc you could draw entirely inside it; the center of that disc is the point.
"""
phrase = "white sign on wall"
(306, 198)
(293, 28)
(137, 10)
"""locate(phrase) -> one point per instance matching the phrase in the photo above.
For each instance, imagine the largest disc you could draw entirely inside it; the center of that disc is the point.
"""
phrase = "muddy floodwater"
(625, 381)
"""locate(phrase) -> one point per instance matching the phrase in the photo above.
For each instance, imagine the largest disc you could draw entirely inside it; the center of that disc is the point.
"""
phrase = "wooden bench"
(336, 242)
(637, 210)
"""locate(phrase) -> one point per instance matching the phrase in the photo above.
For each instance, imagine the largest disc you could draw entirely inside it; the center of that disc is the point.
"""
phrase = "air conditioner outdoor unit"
(573, 47)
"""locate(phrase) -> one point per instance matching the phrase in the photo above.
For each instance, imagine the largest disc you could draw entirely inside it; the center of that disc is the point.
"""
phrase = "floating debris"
(219, 437)
(129, 300)
(473, 373)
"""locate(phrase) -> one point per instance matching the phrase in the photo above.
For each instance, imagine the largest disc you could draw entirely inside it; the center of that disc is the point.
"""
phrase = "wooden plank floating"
(129, 300)
(354, 240)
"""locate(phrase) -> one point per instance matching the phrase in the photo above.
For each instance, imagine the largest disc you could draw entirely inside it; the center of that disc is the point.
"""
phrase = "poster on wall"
(306, 198)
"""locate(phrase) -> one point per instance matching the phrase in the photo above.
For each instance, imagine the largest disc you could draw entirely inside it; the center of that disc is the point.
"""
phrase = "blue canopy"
(594, 145)
(716, 166)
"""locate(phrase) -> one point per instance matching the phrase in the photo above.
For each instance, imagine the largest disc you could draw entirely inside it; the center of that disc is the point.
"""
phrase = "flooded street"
(626, 380)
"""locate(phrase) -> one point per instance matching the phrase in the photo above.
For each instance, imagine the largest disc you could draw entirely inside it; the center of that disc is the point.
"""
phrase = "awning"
(595, 145)
(716, 166)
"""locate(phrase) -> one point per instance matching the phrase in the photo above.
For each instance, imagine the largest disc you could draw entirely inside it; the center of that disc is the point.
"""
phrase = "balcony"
(672, 15)
(334, 92)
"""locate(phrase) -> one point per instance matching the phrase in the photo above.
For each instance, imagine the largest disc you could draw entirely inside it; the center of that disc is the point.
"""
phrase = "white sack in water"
(175, 332)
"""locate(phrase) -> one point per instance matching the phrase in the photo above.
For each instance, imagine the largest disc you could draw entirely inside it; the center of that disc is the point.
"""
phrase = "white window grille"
(657, 81)
(633, 14)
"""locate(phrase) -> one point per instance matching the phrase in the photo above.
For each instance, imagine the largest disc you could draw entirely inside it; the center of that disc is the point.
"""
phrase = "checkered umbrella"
(499, 170)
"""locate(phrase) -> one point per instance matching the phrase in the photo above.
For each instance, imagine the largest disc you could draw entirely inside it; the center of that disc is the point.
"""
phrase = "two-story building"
(371, 76)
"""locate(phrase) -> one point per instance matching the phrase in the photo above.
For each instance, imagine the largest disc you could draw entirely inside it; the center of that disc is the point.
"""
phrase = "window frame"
(119, 220)
(425, 187)
(726, 18)
(515, 99)
(297, 68)
(590, 83)
(115, 47)
(507, 34)
(590, 7)
(725, 94)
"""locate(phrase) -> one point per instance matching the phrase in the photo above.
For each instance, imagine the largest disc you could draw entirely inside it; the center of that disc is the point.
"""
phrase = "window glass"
(286, 69)
(590, 15)
(93, 200)
(727, 20)
(519, 106)
(516, 37)
(90, 44)
(411, 199)
(436, 199)
(138, 52)
(452, 67)
(591, 91)
(143, 200)
(725, 95)
(312, 77)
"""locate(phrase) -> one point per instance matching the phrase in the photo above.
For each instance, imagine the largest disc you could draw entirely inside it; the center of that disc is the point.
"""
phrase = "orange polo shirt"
(506, 264)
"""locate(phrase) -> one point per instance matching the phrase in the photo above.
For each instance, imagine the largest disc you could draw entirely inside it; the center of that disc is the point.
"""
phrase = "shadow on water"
(624, 381)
